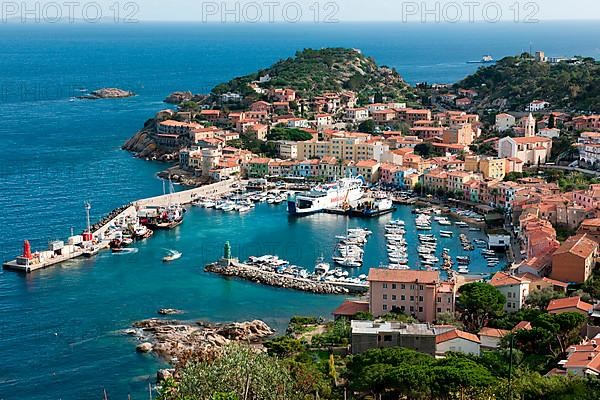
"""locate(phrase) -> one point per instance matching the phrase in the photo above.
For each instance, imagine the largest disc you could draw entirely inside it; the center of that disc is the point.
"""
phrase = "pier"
(234, 268)
(78, 246)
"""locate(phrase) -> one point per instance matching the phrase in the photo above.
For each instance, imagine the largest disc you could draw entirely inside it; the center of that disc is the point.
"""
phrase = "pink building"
(420, 294)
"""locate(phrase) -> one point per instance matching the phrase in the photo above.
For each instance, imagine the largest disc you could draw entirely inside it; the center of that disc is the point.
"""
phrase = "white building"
(324, 119)
(533, 150)
(297, 123)
(550, 133)
(357, 114)
(505, 122)
(287, 150)
(491, 337)
(515, 290)
(457, 341)
(537, 105)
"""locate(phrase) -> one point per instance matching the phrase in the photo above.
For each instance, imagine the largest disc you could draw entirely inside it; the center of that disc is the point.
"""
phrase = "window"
(393, 286)
(412, 287)
(420, 298)
(385, 307)
(420, 309)
(402, 297)
(394, 297)
(403, 286)
(387, 338)
(439, 299)
(421, 287)
(385, 285)
(412, 298)
(439, 310)
(412, 309)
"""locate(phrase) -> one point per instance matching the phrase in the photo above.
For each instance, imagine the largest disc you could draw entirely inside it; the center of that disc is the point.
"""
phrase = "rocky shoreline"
(272, 279)
(143, 145)
(177, 341)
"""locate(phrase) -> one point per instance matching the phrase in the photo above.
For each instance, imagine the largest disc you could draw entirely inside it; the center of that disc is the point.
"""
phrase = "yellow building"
(490, 168)
(493, 168)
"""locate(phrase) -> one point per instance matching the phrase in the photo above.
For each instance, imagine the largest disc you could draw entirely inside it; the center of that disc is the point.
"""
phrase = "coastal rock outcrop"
(178, 340)
(144, 347)
(178, 97)
(108, 93)
(143, 145)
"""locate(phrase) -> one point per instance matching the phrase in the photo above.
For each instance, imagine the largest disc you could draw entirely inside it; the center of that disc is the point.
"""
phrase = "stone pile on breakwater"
(177, 341)
(109, 217)
(273, 279)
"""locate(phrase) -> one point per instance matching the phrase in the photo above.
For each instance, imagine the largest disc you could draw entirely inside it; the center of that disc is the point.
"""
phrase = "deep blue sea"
(58, 327)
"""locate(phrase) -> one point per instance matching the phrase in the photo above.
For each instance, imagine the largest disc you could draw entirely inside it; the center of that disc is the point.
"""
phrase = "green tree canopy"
(479, 302)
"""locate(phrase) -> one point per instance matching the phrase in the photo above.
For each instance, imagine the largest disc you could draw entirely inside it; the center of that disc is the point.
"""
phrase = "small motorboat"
(172, 256)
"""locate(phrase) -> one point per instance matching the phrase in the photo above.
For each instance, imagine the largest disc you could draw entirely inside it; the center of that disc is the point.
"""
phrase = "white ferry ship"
(332, 195)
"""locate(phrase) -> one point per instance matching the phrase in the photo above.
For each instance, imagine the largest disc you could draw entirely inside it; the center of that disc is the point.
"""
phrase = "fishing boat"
(172, 256)
(446, 234)
(91, 251)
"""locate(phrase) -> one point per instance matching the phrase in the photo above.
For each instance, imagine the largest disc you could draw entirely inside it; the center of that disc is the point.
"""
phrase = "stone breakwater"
(272, 279)
(109, 217)
(178, 341)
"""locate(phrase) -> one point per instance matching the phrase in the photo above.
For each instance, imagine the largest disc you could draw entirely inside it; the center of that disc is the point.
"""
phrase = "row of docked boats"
(322, 273)
(350, 248)
(396, 245)
(242, 203)
(427, 251)
(124, 234)
(491, 257)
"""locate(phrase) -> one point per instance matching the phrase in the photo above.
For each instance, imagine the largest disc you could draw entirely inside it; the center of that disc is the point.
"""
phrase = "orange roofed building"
(570, 304)
(575, 260)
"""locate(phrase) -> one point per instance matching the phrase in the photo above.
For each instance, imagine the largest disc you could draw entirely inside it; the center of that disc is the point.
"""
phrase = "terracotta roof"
(493, 332)
(504, 279)
(522, 325)
(367, 163)
(591, 222)
(350, 308)
(393, 275)
(578, 245)
(531, 140)
(584, 356)
(569, 302)
(456, 334)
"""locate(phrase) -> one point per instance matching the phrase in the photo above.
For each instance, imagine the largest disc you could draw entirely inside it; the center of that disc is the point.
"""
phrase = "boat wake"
(126, 251)
(172, 255)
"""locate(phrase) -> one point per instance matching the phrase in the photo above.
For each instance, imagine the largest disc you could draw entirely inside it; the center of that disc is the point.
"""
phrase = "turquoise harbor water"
(58, 327)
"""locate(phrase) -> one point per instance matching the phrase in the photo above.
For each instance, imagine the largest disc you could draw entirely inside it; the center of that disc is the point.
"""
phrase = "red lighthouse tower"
(27, 250)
